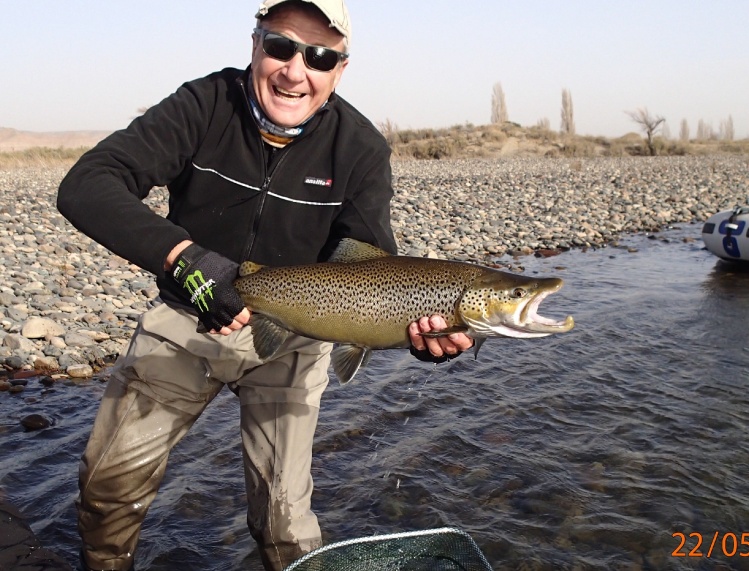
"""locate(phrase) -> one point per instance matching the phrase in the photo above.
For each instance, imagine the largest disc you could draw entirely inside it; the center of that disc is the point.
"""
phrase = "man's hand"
(439, 347)
(207, 282)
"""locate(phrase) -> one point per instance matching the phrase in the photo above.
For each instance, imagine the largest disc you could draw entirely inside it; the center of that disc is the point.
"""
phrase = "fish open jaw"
(523, 321)
(531, 321)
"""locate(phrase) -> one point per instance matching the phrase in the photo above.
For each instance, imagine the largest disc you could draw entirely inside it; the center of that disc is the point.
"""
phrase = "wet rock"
(15, 362)
(25, 374)
(20, 549)
(35, 422)
(46, 363)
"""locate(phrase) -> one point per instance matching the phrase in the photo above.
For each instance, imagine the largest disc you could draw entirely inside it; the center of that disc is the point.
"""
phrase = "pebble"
(66, 303)
(40, 328)
(79, 371)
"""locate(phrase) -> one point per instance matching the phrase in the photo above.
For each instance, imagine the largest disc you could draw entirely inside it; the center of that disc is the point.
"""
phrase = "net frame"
(478, 561)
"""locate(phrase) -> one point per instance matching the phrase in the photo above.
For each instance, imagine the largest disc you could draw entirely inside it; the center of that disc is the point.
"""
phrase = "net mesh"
(444, 549)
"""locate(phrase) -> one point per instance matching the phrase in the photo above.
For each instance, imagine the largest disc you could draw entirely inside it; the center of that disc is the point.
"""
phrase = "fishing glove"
(426, 356)
(207, 282)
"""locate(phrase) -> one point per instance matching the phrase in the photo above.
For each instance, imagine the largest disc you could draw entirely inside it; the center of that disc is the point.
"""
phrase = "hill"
(510, 139)
(12, 140)
(23, 148)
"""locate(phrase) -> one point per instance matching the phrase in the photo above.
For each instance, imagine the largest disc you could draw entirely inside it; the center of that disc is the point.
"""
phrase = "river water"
(593, 449)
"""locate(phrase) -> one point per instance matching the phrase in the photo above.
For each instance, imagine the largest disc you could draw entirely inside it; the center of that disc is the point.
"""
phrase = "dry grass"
(40, 157)
(461, 142)
(487, 141)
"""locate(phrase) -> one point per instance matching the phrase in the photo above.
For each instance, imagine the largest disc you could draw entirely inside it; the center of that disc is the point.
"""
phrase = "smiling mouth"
(289, 95)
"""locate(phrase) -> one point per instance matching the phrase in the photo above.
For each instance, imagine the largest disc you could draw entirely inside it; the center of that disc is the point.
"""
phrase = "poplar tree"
(568, 115)
(499, 106)
(684, 131)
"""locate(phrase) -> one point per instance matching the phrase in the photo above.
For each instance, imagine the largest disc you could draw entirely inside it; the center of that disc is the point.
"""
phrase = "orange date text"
(713, 544)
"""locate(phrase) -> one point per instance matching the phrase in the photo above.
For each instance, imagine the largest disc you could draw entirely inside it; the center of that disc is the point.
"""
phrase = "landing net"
(443, 549)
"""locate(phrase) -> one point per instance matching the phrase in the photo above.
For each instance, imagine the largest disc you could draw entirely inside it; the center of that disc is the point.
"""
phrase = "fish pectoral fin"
(347, 360)
(267, 336)
(445, 332)
(350, 250)
(247, 268)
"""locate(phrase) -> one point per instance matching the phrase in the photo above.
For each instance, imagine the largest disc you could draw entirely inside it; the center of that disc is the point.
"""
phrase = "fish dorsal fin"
(247, 268)
(350, 250)
(347, 360)
(267, 337)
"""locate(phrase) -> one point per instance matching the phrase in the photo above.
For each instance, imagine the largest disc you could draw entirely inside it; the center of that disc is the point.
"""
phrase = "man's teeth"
(284, 93)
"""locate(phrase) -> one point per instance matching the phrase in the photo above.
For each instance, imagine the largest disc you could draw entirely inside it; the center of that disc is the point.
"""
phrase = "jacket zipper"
(264, 194)
(267, 179)
(266, 182)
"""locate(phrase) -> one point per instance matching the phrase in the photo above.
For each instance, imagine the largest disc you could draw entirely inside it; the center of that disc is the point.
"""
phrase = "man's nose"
(295, 68)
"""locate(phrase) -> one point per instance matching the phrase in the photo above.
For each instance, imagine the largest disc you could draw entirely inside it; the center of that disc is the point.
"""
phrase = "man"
(266, 164)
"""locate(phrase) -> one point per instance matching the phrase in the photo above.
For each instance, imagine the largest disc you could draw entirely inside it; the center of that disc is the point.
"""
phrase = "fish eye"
(518, 292)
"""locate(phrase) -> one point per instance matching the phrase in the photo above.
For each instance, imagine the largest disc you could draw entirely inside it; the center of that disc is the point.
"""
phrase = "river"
(620, 445)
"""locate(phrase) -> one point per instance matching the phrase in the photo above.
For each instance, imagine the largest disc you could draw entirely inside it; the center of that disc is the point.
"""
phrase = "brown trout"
(364, 298)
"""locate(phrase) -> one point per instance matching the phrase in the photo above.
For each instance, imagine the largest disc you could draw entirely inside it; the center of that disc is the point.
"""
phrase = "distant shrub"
(40, 156)
(495, 135)
(578, 147)
(389, 130)
(735, 147)
(432, 149)
(493, 140)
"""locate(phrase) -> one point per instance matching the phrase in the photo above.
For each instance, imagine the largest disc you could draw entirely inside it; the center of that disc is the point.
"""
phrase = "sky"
(91, 64)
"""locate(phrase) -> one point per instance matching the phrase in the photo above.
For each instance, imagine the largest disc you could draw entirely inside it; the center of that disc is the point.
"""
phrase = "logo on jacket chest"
(328, 182)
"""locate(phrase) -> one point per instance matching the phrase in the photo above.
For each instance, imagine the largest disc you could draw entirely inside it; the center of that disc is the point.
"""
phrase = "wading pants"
(157, 390)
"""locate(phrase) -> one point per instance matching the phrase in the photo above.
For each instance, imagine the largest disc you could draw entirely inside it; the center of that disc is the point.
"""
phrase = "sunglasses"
(282, 48)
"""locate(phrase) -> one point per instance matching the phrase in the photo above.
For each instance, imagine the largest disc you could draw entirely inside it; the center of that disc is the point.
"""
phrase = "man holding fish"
(266, 164)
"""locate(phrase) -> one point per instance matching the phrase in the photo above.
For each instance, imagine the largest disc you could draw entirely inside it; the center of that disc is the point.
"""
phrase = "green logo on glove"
(199, 289)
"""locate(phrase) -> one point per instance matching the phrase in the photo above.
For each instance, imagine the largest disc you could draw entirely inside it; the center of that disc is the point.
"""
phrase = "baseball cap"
(334, 10)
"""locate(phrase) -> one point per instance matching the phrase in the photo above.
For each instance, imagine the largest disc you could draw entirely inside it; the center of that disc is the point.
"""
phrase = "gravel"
(68, 306)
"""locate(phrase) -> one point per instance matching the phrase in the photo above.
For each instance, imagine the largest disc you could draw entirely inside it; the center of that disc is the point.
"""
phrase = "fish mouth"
(532, 322)
(525, 322)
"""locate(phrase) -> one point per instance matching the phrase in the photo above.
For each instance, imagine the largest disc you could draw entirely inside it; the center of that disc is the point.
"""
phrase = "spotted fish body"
(365, 299)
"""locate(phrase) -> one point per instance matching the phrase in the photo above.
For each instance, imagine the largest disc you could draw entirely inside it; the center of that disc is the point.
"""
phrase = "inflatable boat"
(726, 234)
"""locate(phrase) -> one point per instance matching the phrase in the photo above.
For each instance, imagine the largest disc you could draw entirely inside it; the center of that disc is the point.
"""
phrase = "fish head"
(503, 304)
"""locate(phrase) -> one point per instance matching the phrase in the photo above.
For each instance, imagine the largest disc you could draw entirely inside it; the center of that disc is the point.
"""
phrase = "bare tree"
(684, 131)
(499, 106)
(704, 131)
(726, 129)
(544, 124)
(568, 114)
(648, 124)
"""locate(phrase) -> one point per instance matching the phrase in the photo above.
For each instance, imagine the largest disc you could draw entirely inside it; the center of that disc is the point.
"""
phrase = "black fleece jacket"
(227, 192)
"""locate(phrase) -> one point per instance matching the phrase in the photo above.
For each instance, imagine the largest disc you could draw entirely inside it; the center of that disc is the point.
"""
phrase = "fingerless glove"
(207, 280)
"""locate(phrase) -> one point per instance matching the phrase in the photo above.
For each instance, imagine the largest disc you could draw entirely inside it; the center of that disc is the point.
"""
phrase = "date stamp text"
(713, 544)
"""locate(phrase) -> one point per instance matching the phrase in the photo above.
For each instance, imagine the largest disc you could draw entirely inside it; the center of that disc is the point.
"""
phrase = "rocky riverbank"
(67, 306)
